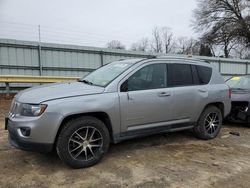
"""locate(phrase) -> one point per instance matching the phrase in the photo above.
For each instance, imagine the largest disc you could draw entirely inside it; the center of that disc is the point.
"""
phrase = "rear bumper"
(18, 142)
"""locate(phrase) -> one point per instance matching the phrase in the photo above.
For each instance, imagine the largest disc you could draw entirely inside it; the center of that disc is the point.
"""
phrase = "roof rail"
(182, 57)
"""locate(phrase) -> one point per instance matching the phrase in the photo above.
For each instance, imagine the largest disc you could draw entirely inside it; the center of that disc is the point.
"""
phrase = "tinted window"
(179, 75)
(204, 74)
(196, 79)
(149, 77)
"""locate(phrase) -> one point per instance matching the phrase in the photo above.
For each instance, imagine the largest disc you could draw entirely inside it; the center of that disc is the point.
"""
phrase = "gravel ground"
(167, 160)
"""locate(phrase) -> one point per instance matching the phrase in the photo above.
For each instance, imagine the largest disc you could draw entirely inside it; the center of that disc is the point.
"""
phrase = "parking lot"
(168, 160)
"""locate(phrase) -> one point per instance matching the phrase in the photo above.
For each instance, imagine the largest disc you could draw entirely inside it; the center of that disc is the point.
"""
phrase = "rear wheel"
(209, 123)
(83, 142)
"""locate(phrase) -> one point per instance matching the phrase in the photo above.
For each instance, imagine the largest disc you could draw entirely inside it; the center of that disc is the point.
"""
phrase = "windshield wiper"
(86, 82)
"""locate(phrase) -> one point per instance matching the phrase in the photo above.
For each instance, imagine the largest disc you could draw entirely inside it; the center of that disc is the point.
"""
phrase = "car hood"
(241, 95)
(54, 91)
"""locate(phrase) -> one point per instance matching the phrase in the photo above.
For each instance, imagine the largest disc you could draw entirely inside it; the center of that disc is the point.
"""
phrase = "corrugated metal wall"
(32, 58)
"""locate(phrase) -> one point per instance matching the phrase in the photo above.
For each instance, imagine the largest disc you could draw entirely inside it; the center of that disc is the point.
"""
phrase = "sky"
(93, 22)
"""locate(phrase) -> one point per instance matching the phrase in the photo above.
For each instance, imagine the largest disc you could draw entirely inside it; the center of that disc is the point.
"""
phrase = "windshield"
(104, 75)
(239, 82)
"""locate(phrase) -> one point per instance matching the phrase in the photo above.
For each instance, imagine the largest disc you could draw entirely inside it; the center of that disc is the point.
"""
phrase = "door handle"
(164, 94)
(129, 97)
(202, 90)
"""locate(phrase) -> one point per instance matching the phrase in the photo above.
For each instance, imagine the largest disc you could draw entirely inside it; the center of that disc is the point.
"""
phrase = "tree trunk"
(166, 48)
(226, 52)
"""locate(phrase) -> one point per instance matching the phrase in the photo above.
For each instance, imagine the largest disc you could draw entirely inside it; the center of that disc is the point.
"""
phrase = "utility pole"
(39, 33)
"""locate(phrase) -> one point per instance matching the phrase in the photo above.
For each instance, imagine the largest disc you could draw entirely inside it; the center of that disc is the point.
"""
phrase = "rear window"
(204, 74)
(187, 75)
(179, 75)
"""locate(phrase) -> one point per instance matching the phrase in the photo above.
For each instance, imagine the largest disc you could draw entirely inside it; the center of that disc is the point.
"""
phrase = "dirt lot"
(169, 160)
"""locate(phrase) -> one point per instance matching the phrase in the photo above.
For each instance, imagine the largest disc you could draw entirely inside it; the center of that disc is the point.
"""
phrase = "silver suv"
(122, 100)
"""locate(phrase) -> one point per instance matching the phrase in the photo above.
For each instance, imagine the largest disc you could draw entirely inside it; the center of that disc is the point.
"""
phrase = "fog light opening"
(25, 131)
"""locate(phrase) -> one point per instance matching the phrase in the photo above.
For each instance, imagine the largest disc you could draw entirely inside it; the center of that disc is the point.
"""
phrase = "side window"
(196, 79)
(204, 74)
(149, 77)
(179, 75)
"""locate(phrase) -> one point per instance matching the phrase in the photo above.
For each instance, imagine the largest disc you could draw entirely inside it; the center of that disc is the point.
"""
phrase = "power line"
(28, 27)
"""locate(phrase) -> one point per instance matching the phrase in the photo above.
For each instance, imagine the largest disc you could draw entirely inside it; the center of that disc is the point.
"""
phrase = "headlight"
(22, 109)
(32, 110)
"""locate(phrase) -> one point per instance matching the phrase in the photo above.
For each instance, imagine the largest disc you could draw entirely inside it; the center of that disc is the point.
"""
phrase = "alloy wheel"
(212, 122)
(85, 143)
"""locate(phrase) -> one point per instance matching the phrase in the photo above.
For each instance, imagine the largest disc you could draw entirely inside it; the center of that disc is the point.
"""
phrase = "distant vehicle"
(122, 100)
(240, 87)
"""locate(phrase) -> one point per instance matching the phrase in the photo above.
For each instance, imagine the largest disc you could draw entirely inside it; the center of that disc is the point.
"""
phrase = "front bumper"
(16, 141)
(41, 135)
(240, 112)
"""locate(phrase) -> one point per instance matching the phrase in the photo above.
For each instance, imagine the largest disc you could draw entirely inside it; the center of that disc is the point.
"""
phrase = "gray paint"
(128, 111)
(57, 91)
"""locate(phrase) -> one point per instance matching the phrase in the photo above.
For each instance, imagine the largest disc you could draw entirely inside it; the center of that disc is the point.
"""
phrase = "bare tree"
(168, 39)
(223, 22)
(205, 50)
(141, 45)
(187, 46)
(209, 45)
(156, 44)
(221, 37)
(241, 51)
(115, 44)
(181, 45)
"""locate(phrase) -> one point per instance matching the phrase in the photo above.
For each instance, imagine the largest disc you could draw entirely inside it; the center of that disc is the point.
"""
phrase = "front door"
(145, 100)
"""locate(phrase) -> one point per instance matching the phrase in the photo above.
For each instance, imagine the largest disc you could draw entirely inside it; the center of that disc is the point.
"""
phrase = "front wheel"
(209, 123)
(83, 142)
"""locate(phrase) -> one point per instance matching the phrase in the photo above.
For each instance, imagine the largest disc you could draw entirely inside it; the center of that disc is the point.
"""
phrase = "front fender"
(107, 103)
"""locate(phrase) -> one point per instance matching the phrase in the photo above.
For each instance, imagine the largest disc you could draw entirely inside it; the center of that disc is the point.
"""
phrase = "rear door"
(187, 91)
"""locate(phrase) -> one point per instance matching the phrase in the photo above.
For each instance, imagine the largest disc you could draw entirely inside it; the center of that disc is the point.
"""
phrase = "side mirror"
(124, 86)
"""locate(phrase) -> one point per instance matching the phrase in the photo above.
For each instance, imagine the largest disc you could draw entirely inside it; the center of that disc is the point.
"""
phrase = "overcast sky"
(93, 22)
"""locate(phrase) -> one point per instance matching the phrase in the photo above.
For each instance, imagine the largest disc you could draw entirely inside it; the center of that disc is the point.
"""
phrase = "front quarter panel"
(106, 102)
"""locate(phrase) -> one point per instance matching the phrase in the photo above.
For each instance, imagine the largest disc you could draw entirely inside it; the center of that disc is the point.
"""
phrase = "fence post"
(7, 84)
(219, 66)
(40, 60)
(40, 52)
(246, 68)
(101, 55)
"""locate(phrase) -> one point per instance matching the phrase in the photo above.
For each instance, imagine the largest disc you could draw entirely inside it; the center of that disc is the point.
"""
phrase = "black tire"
(72, 137)
(206, 130)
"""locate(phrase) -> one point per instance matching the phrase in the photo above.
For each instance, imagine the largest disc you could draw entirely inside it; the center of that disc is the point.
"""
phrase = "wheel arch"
(102, 116)
(219, 105)
(200, 130)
